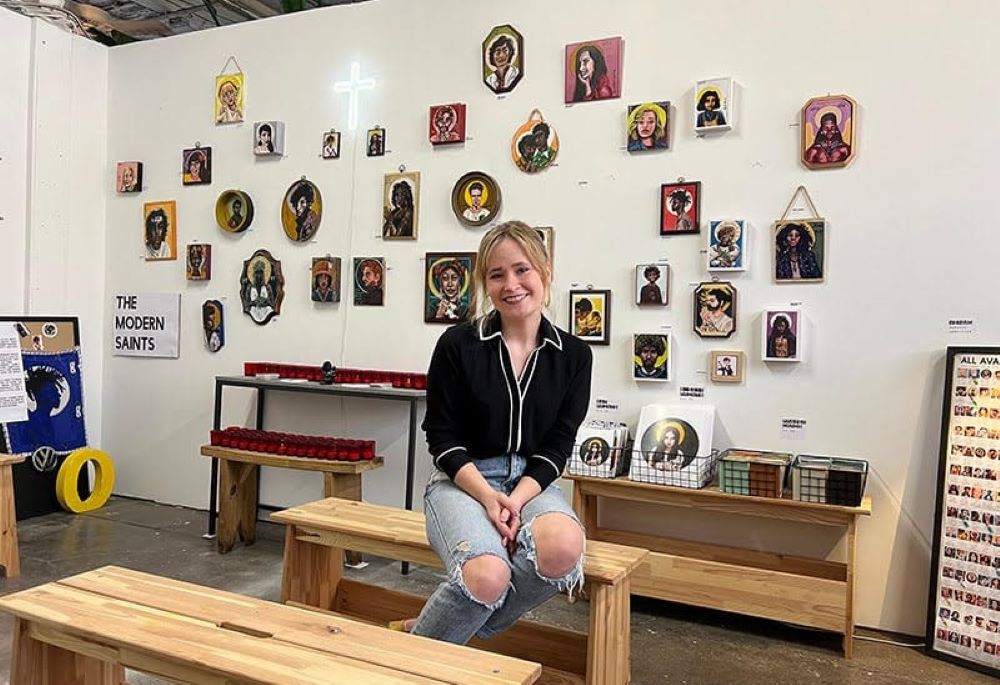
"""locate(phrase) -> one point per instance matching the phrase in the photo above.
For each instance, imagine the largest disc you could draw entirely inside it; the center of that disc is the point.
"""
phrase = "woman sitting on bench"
(506, 394)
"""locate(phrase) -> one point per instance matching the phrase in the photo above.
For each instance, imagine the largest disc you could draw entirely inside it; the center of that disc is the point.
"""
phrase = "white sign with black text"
(147, 325)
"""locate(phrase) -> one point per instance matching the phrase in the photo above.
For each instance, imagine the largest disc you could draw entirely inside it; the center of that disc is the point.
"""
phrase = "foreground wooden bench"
(84, 629)
(317, 533)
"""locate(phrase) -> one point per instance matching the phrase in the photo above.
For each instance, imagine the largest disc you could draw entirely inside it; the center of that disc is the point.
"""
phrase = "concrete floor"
(670, 643)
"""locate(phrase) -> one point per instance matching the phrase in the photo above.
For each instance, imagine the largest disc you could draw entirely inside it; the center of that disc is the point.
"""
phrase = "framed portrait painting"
(548, 237)
(128, 177)
(651, 357)
(262, 287)
(828, 127)
(715, 309)
(160, 230)
(534, 145)
(369, 281)
(197, 166)
(375, 146)
(302, 211)
(726, 366)
(213, 325)
(503, 58)
(325, 279)
(401, 206)
(331, 144)
(447, 124)
(229, 98)
(269, 138)
(799, 251)
(591, 315)
(680, 208)
(782, 335)
(198, 266)
(652, 284)
(448, 287)
(647, 127)
(728, 245)
(713, 106)
(234, 211)
(475, 199)
(593, 70)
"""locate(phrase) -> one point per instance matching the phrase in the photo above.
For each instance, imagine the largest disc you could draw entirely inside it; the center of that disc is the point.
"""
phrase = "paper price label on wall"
(959, 325)
(691, 392)
(793, 429)
(604, 404)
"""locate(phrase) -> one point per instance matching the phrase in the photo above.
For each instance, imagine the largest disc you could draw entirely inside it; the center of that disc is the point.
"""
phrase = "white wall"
(909, 237)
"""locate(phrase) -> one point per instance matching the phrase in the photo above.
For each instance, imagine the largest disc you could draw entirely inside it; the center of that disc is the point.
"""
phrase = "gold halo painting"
(534, 145)
(647, 126)
(302, 211)
(475, 199)
(448, 292)
(262, 287)
(229, 98)
(828, 125)
(401, 205)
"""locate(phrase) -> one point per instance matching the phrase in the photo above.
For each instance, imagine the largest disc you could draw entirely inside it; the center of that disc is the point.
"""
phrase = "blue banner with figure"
(54, 388)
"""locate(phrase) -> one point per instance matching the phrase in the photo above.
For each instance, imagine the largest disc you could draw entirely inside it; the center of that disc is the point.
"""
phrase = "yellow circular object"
(69, 476)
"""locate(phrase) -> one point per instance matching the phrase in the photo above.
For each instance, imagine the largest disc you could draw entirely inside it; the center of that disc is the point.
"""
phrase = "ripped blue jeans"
(459, 529)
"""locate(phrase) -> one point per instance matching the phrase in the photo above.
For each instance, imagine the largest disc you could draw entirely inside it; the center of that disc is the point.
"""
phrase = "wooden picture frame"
(829, 127)
(369, 281)
(726, 366)
(262, 287)
(799, 247)
(652, 357)
(715, 309)
(198, 262)
(325, 279)
(234, 211)
(590, 315)
(375, 146)
(476, 199)
(652, 284)
(680, 208)
(330, 146)
(302, 211)
(401, 206)
(160, 230)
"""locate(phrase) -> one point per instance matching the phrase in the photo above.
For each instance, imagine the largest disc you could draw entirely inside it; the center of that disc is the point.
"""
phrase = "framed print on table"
(652, 284)
(680, 208)
(590, 311)
(963, 607)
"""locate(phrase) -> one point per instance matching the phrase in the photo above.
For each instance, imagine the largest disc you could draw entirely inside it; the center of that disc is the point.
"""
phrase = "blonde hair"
(529, 240)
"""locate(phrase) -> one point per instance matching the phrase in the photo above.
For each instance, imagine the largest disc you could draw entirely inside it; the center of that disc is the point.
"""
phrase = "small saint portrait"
(593, 70)
(199, 262)
(715, 309)
(376, 142)
(669, 444)
(680, 208)
(229, 98)
(401, 205)
(475, 199)
(591, 314)
(828, 126)
(128, 177)
(651, 356)
(213, 325)
(268, 138)
(782, 335)
(447, 124)
(369, 281)
(302, 211)
(652, 284)
(197, 167)
(262, 287)
(503, 59)
(160, 230)
(728, 245)
(726, 366)
(448, 290)
(799, 250)
(325, 279)
(331, 144)
(534, 145)
(713, 110)
(233, 211)
(647, 126)
(594, 451)
(548, 236)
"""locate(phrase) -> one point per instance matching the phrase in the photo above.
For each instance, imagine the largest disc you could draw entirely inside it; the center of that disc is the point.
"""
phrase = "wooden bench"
(317, 533)
(84, 630)
(238, 491)
(10, 559)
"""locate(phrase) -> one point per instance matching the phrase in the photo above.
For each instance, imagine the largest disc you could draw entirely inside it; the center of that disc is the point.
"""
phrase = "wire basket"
(675, 469)
(829, 480)
(753, 473)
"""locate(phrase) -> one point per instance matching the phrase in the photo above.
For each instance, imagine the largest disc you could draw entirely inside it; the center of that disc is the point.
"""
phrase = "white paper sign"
(604, 404)
(793, 429)
(961, 325)
(146, 325)
(13, 400)
(691, 392)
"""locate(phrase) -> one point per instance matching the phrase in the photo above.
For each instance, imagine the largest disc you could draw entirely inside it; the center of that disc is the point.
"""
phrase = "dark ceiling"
(122, 21)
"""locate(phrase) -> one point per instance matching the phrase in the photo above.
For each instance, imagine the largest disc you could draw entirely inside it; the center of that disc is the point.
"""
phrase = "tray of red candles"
(336, 375)
(293, 445)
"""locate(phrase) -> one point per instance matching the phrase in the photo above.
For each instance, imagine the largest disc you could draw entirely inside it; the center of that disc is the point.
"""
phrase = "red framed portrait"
(447, 124)
(680, 208)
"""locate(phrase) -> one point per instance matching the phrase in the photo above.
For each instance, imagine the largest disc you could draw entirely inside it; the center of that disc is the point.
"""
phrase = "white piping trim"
(482, 325)
(510, 398)
(557, 343)
(450, 449)
(551, 463)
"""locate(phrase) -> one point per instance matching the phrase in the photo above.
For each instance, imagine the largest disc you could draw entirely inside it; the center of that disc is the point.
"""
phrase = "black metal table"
(336, 390)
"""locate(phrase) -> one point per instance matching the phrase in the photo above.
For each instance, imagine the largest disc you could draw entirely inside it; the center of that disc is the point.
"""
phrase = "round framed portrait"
(234, 211)
(475, 199)
(534, 145)
(302, 211)
(670, 444)
(595, 451)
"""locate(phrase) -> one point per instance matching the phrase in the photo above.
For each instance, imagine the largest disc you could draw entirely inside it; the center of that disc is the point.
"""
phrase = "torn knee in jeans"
(569, 580)
(483, 578)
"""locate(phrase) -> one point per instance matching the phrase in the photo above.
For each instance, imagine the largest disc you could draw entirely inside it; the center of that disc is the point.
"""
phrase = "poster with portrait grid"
(963, 616)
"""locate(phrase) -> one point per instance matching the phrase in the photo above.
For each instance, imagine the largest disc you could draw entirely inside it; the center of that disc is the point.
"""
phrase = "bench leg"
(37, 663)
(9, 557)
(609, 640)
(310, 572)
(344, 486)
(237, 503)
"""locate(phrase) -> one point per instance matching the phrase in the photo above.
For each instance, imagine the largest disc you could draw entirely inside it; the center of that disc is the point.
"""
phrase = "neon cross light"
(354, 86)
